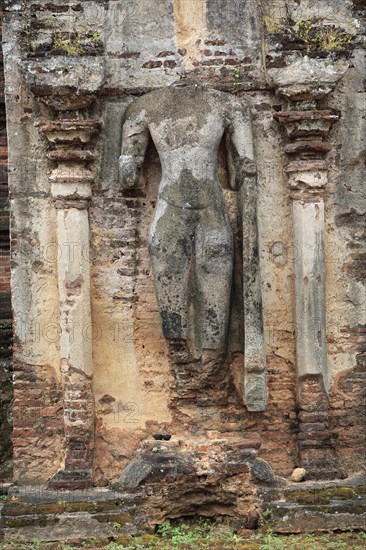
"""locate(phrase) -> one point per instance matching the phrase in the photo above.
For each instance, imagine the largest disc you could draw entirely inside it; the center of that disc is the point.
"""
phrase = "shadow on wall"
(5, 298)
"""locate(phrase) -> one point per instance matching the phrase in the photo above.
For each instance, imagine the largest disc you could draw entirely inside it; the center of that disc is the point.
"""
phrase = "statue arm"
(239, 144)
(135, 139)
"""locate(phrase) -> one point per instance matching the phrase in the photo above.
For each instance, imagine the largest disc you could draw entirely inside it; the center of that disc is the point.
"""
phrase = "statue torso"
(187, 125)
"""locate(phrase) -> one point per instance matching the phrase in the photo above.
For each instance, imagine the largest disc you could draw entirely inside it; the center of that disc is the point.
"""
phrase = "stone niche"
(186, 183)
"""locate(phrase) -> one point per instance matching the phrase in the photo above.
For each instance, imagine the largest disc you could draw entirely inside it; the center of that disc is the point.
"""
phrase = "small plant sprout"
(318, 36)
(71, 46)
(96, 37)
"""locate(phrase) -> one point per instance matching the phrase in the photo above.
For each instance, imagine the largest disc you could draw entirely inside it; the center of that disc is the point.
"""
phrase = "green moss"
(124, 541)
(272, 26)
(148, 541)
(123, 517)
(313, 33)
(346, 508)
(96, 37)
(319, 496)
(80, 507)
(115, 519)
(340, 493)
(22, 522)
(108, 505)
(306, 497)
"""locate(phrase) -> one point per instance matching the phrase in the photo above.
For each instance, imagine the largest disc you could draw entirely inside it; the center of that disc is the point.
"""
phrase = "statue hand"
(129, 170)
(248, 169)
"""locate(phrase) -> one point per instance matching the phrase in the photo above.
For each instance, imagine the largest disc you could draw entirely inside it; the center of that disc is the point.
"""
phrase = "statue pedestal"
(204, 475)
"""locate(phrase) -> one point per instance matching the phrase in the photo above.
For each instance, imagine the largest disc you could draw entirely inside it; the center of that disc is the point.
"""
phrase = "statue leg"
(214, 269)
(170, 247)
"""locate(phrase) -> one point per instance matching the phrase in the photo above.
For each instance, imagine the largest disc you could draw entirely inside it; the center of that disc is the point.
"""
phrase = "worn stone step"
(291, 517)
(326, 495)
(67, 515)
(61, 528)
(321, 506)
(324, 491)
(45, 519)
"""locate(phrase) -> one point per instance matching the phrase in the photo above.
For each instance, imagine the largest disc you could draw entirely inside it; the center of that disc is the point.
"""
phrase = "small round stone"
(298, 475)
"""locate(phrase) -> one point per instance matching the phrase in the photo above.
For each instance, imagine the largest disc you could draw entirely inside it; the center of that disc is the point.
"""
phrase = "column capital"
(65, 83)
(71, 178)
(313, 123)
(307, 149)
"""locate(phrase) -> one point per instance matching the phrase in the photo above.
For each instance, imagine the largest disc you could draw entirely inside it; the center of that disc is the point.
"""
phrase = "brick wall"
(131, 372)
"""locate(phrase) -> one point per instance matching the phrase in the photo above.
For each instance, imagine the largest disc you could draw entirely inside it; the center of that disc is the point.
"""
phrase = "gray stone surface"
(69, 526)
(296, 519)
(262, 471)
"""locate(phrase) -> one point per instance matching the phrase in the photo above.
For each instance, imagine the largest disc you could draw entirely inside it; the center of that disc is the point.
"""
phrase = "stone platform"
(198, 476)
(201, 478)
(177, 478)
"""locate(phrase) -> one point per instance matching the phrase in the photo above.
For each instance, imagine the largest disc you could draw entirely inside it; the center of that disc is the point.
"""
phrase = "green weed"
(70, 45)
(96, 37)
(320, 37)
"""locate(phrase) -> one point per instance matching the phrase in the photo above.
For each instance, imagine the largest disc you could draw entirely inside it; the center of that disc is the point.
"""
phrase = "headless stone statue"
(190, 241)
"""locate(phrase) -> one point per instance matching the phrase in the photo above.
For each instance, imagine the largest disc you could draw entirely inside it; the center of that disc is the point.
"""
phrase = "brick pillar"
(69, 87)
(71, 191)
(307, 171)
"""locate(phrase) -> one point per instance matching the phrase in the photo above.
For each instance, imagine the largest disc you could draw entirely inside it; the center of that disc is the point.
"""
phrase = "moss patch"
(114, 519)
(108, 505)
(324, 496)
(80, 507)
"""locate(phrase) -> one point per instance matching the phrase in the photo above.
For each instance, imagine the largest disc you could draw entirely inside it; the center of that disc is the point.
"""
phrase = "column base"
(71, 480)
(316, 445)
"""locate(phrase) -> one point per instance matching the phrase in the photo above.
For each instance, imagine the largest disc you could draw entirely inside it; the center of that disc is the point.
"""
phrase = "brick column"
(70, 185)
(308, 177)
(69, 87)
